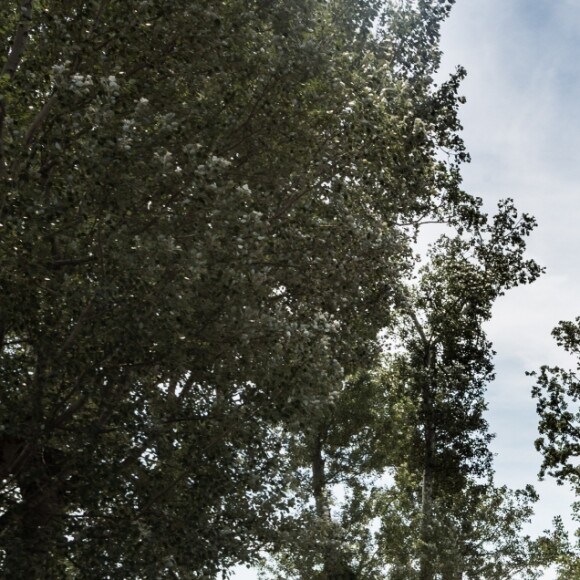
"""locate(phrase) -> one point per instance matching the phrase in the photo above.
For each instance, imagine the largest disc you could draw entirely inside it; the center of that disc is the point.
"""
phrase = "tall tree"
(204, 213)
(447, 361)
(436, 378)
(408, 444)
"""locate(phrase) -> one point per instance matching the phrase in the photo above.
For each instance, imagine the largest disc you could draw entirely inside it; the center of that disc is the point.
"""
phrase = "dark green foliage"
(207, 212)
(201, 209)
(557, 391)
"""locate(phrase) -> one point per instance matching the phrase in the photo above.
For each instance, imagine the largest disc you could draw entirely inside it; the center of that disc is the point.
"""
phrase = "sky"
(522, 129)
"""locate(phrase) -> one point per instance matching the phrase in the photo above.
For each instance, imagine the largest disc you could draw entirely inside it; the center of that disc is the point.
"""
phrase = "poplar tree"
(205, 209)
(436, 378)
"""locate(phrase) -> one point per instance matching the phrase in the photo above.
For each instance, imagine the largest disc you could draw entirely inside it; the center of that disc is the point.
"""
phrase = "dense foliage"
(207, 216)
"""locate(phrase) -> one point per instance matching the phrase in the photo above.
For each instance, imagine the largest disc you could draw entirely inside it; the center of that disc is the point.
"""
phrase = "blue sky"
(522, 128)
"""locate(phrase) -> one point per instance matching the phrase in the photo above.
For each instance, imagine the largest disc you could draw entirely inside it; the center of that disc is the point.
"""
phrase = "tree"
(442, 371)
(205, 210)
(557, 391)
(435, 378)
(408, 443)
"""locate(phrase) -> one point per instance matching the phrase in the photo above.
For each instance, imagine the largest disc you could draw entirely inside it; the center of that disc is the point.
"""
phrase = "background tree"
(557, 391)
(442, 371)
(396, 479)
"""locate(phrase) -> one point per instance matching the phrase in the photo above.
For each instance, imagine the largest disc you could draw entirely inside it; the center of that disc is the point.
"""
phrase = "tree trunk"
(334, 565)
(32, 524)
(319, 480)
(426, 568)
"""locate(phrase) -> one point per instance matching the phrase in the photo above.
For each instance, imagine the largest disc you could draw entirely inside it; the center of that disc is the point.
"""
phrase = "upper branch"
(9, 70)
(15, 56)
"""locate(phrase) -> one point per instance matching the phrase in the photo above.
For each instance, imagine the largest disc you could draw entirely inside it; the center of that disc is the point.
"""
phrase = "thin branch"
(98, 15)
(40, 118)
(55, 264)
(418, 223)
(76, 329)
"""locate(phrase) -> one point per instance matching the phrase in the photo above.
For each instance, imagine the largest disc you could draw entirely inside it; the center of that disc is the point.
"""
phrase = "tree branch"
(76, 329)
(15, 56)
(39, 119)
(426, 342)
(9, 70)
(56, 264)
